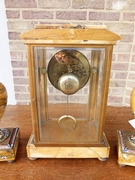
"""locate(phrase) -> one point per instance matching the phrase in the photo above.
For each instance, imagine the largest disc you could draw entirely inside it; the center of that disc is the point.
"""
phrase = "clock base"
(94, 151)
(8, 147)
(125, 148)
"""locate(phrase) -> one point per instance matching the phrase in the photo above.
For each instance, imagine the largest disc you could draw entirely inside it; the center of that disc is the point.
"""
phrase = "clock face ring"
(69, 67)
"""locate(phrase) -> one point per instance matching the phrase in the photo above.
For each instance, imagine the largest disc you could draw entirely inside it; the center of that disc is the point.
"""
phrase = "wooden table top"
(65, 169)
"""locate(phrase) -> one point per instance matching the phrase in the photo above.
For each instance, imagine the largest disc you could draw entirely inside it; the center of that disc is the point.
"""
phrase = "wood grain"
(65, 169)
(73, 35)
(70, 34)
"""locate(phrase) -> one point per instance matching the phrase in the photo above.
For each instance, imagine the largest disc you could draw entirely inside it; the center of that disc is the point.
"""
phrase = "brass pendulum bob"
(4, 133)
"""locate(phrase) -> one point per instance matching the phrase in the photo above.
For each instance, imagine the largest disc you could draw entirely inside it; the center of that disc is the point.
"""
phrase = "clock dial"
(68, 71)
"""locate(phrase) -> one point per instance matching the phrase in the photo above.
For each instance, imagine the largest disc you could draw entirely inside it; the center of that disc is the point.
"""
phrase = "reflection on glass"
(69, 83)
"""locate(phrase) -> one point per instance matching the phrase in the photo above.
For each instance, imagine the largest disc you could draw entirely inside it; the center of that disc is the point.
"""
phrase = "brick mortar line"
(105, 5)
(16, 40)
(37, 2)
(126, 53)
(71, 3)
(23, 51)
(75, 9)
(121, 16)
(120, 62)
(24, 69)
(22, 92)
(18, 68)
(21, 86)
(20, 14)
(56, 21)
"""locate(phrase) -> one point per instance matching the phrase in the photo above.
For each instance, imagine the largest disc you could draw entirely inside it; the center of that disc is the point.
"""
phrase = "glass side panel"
(69, 82)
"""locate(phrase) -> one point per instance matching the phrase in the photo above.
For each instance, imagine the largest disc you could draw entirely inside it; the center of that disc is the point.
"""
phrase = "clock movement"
(69, 70)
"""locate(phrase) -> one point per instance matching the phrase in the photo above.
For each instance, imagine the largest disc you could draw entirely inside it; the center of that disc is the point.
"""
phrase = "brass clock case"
(68, 71)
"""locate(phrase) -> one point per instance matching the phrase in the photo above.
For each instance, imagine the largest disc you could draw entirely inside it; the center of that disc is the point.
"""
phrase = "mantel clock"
(69, 70)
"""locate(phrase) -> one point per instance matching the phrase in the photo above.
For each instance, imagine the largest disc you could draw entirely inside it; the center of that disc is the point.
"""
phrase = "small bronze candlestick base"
(126, 141)
(9, 137)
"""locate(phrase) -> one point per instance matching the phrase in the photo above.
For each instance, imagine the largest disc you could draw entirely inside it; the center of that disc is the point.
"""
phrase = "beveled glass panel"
(66, 115)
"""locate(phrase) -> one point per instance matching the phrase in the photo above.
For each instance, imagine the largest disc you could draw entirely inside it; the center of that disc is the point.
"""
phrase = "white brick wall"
(119, 16)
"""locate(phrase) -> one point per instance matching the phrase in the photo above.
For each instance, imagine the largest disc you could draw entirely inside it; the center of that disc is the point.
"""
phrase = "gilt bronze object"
(9, 137)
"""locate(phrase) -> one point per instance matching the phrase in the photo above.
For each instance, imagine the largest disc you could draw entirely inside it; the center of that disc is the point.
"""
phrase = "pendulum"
(68, 71)
(67, 123)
